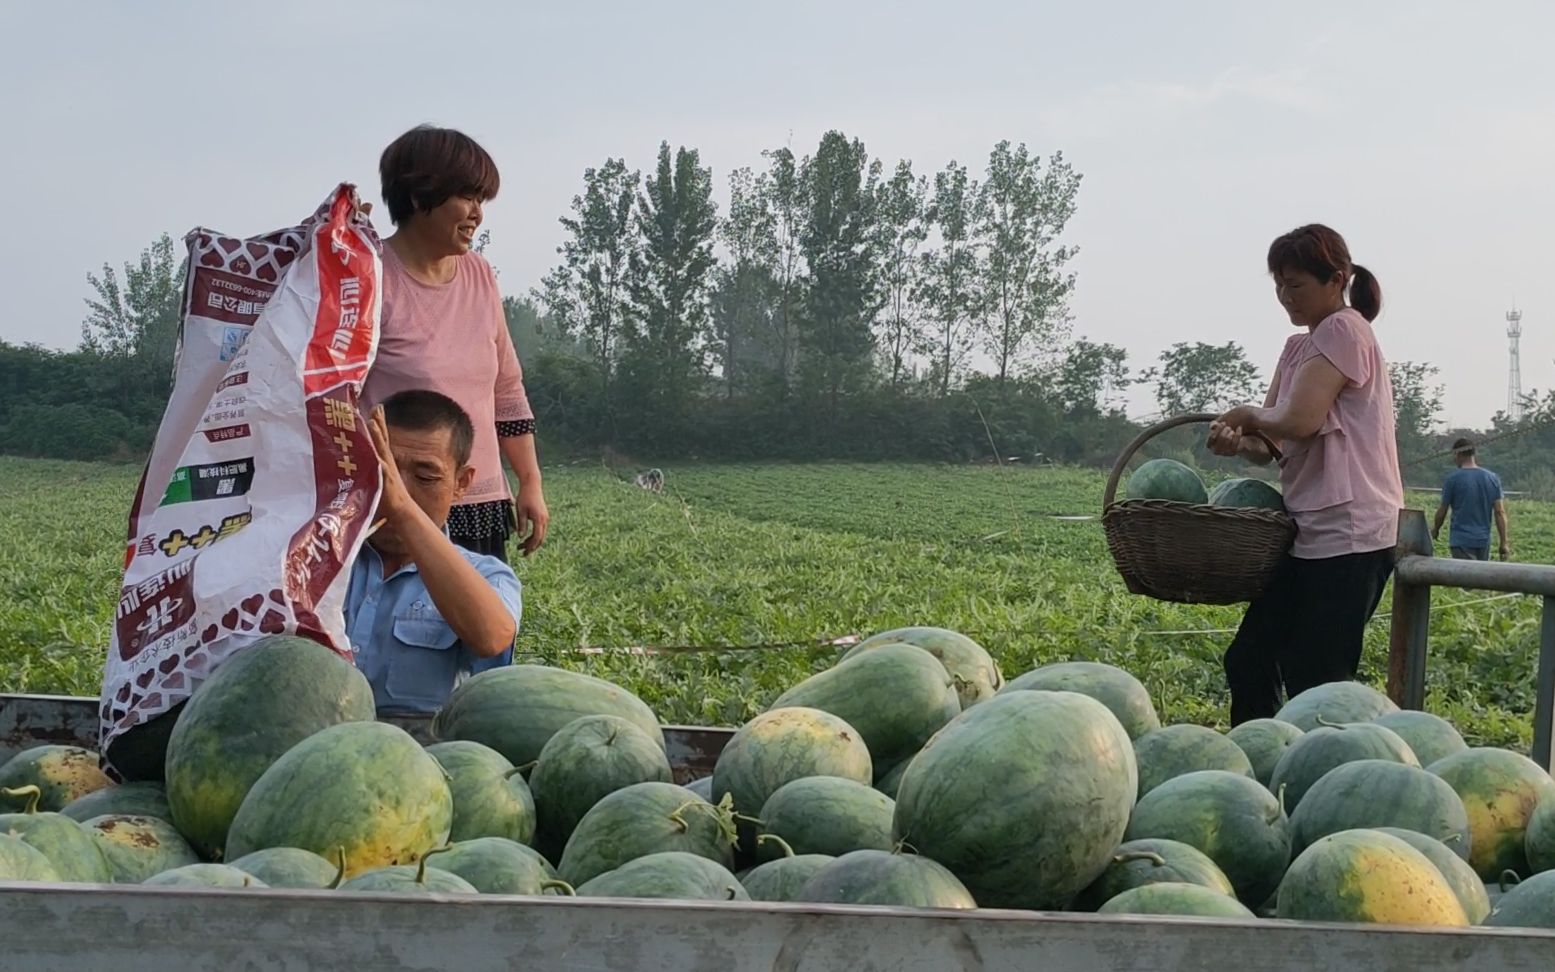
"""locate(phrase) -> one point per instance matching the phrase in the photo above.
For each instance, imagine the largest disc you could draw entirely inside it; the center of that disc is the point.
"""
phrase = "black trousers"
(1307, 629)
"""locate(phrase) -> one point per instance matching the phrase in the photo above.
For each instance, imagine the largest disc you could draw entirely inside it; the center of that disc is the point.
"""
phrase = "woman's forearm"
(519, 451)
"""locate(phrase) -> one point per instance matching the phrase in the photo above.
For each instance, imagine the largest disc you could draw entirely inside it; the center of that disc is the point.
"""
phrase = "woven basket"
(1190, 553)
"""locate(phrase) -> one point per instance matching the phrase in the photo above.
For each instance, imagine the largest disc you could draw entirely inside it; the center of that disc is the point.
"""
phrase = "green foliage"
(756, 554)
(1200, 377)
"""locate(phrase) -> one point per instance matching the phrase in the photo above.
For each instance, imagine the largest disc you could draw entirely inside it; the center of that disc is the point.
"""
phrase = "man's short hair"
(421, 410)
(1463, 447)
(427, 166)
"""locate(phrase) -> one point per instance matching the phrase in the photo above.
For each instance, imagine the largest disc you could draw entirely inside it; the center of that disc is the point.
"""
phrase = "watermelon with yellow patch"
(1500, 790)
(138, 847)
(61, 774)
(1365, 876)
(367, 787)
(257, 705)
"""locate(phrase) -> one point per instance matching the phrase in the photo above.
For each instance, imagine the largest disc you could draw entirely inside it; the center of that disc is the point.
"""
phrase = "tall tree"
(586, 294)
(841, 248)
(948, 281)
(901, 205)
(1022, 209)
(785, 195)
(1417, 402)
(138, 318)
(1202, 377)
(670, 275)
(743, 340)
(1091, 376)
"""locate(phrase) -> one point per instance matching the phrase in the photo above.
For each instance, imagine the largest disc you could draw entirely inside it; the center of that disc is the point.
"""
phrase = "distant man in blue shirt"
(1473, 494)
(422, 612)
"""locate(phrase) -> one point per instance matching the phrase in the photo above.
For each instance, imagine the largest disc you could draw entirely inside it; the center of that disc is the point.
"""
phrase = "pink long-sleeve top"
(453, 338)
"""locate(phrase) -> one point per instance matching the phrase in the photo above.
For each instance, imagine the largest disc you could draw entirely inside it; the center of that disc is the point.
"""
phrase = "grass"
(789, 555)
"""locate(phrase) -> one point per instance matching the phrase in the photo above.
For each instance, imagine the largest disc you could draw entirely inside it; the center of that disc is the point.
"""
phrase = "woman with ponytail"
(1330, 410)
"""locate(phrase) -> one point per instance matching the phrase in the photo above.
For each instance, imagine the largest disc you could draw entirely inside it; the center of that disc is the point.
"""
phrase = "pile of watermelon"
(1168, 479)
(908, 774)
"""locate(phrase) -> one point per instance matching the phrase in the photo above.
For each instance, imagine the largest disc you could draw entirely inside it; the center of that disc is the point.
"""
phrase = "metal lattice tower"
(1514, 371)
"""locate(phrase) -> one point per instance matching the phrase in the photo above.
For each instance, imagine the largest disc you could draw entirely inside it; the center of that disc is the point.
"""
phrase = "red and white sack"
(263, 480)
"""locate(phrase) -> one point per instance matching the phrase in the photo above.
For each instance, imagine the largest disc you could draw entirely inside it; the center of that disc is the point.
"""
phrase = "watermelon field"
(767, 562)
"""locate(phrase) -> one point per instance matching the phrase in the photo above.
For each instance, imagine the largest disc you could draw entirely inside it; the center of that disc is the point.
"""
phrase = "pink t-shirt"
(1342, 485)
(452, 338)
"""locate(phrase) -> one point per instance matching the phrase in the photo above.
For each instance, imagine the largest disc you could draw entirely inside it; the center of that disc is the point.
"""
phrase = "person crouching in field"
(1330, 410)
(421, 611)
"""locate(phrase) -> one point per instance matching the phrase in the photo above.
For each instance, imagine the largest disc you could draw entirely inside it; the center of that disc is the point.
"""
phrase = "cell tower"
(1514, 370)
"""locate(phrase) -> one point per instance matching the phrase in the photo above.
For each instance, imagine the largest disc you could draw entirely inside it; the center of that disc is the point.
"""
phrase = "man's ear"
(462, 481)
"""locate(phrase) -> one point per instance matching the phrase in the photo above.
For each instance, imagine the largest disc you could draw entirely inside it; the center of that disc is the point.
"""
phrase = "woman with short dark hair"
(442, 328)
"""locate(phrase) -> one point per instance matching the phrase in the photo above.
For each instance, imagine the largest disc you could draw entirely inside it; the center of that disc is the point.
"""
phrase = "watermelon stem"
(1140, 855)
(903, 845)
(517, 769)
(1516, 879)
(30, 791)
(1330, 725)
(1281, 796)
(788, 851)
(340, 874)
(559, 885)
(421, 865)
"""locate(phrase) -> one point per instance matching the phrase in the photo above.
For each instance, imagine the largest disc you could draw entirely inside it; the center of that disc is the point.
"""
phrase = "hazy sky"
(1423, 132)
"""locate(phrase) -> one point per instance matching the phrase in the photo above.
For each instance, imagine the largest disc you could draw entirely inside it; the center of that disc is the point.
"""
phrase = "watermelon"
(1166, 479)
(1175, 750)
(204, 876)
(415, 878)
(826, 815)
(1322, 749)
(587, 760)
(1367, 876)
(781, 879)
(1175, 898)
(1500, 790)
(1376, 793)
(892, 779)
(260, 703)
(61, 774)
(1247, 494)
(1230, 819)
(702, 787)
(896, 696)
(1539, 839)
(136, 799)
(516, 709)
(365, 786)
(68, 846)
(490, 798)
(138, 847)
(1460, 877)
(288, 867)
(1333, 703)
(1430, 737)
(1530, 904)
(669, 874)
(968, 663)
(496, 865)
(643, 819)
(1137, 863)
(877, 877)
(1264, 741)
(1047, 778)
(1113, 687)
(783, 745)
(20, 861)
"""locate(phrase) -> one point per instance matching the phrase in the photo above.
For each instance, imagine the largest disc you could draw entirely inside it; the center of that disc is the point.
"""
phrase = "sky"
(1423, 131)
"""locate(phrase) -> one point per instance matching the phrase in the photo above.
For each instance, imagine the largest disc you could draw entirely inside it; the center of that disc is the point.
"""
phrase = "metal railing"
(1416, 572)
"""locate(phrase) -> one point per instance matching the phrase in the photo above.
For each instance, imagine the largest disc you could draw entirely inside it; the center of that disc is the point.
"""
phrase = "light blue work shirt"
(410, 655)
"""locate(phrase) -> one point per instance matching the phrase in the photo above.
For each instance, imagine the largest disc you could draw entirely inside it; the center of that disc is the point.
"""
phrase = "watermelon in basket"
(1170, 543)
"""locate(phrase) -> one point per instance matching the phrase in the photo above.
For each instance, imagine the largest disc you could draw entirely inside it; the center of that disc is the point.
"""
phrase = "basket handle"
(1155, 430)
